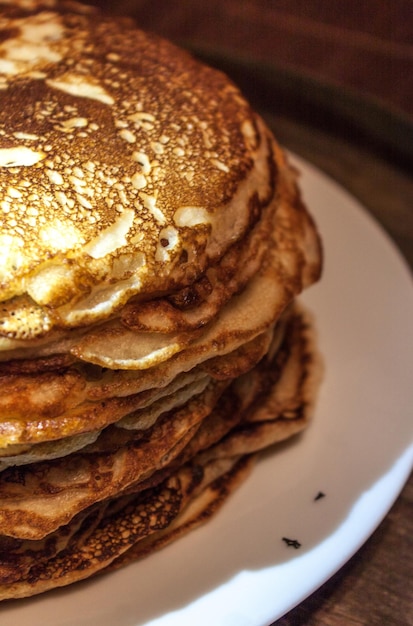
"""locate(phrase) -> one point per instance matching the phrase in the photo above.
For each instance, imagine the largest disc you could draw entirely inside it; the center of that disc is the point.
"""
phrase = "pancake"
(97, 539)
(153, 246)
(144, 518)
(289, 266)
(37, 499)
(182, 188)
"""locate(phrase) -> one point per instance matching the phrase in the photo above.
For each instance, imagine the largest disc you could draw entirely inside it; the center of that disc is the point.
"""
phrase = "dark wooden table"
(358, 56)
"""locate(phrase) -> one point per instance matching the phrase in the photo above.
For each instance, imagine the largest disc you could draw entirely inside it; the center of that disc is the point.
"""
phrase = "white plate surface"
(237, 570)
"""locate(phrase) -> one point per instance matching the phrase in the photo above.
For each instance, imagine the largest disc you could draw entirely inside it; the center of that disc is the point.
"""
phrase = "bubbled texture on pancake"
(126, 166)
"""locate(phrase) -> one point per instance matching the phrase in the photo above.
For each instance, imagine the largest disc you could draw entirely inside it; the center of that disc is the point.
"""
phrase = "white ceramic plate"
(237, 570)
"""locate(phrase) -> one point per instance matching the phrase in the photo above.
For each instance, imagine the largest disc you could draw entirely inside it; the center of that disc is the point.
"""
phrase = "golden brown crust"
(111, 168)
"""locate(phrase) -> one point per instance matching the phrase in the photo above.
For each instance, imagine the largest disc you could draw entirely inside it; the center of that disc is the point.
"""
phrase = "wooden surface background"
(364, 47)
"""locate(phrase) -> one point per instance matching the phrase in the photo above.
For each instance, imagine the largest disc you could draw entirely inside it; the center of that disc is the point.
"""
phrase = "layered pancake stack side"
(153, 244)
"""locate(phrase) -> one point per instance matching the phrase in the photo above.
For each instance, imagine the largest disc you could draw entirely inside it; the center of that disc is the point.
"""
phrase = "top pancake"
(126, 166)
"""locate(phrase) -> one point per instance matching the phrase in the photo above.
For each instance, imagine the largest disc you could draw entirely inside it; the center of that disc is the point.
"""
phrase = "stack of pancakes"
(153, 242)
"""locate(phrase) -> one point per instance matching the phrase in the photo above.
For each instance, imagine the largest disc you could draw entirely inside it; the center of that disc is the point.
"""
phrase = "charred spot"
(9, 33)
(191, 296)
(15, 475)
(273, 169)
(183, 256)
(8, 546)
(185, 299)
